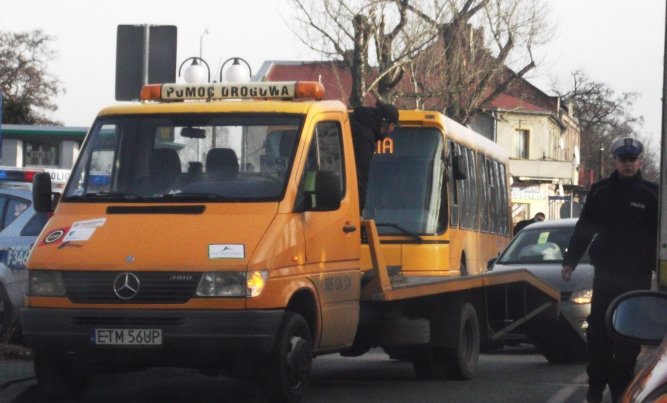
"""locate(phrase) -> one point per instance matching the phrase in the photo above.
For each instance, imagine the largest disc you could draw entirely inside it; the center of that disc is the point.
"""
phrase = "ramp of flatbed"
(383, 287)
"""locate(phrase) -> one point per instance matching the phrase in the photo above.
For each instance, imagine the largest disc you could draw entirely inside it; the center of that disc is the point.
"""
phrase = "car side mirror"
(42, 196)
(640, 316)
(490, 263)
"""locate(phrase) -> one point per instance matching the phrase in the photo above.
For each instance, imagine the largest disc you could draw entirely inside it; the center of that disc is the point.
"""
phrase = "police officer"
(620, 217)
(368, 126)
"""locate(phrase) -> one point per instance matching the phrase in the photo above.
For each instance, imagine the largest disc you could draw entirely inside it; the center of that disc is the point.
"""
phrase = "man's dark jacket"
(366, 130)
(622, 215)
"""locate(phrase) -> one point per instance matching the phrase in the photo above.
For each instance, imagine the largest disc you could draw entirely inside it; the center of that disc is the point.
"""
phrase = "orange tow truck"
(216, 226)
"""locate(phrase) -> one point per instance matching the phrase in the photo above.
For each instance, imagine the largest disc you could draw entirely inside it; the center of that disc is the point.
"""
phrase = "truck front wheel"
(286, 375)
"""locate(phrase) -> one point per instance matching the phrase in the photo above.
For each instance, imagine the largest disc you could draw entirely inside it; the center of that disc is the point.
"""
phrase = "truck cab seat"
(164, 167)
(222, 163)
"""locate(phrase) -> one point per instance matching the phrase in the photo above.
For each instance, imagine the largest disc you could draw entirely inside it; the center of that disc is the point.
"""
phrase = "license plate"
(127, 337)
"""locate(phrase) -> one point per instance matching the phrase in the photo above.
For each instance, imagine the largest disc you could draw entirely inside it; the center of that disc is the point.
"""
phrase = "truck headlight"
(45, 283)
(232, 284)
(582, 296)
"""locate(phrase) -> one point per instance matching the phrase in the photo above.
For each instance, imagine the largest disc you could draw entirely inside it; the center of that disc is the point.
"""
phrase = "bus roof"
(454, 130)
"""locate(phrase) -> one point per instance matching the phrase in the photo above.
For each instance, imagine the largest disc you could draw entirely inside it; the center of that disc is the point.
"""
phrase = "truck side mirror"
(42, 197)
(327, 192)
(459, 165)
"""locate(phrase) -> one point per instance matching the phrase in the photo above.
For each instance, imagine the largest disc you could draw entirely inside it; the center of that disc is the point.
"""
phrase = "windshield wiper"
(108, 196)
(402, 230)
(192, 196)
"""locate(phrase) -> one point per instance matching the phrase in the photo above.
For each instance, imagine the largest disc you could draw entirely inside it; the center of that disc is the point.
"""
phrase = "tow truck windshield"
(192, 157)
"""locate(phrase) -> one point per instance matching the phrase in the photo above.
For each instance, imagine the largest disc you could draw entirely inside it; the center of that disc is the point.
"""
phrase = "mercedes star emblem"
(126, 286)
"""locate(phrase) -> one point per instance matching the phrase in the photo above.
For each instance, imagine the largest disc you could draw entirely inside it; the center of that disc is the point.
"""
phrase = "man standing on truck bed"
(368, 126)
(620, 217)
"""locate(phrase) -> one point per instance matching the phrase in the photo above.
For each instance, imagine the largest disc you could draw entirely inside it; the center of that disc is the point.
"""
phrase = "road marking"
(564, 394)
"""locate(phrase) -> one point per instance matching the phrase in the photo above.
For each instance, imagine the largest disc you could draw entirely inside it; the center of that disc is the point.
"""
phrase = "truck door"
(332, 237)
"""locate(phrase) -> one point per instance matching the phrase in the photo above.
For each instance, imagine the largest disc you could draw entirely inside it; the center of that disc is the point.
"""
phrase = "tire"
(558, 343)
(562, 350)
(286, 375)
(463, 359)
(58, 379)
(8, 322)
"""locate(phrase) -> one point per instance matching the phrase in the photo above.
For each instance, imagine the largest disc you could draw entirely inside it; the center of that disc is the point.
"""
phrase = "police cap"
(626, 146)
(388, 113)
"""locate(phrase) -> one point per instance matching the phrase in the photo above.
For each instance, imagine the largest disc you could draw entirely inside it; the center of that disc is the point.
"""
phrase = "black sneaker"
(594, 393)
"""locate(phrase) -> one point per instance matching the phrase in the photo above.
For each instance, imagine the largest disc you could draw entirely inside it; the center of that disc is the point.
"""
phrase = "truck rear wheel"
(463, 359)
(286, 375)
(57, 378)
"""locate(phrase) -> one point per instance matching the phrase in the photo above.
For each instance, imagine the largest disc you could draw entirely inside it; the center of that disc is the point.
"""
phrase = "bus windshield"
(405, 183)
(186, 157)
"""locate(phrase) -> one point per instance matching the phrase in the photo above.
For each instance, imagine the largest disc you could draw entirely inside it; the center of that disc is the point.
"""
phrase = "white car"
(19, 227)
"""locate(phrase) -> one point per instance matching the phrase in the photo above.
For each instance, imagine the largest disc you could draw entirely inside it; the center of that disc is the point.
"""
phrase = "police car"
(19, 227)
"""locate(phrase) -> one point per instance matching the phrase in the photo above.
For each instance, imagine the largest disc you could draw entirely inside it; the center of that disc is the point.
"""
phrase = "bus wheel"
(57, 378)
(462, 360)
(286, 375)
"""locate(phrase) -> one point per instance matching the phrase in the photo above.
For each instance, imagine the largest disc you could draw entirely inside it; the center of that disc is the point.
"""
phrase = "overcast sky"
(614, 41)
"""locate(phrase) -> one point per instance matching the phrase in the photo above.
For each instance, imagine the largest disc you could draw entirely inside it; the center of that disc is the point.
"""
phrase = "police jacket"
(621, 219)
(366, 126)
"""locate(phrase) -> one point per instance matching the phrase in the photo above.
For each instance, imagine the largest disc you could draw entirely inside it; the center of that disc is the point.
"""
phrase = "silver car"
(539, 248)
(19, 227)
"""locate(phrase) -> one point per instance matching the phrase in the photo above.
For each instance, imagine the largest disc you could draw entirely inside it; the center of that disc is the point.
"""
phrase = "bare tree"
(478, 48)
(455, 52)
(603, 116)
(362, 33)
(27, 87)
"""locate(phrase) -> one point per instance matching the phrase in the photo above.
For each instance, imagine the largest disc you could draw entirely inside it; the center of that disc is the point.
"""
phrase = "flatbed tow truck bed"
(407, 313)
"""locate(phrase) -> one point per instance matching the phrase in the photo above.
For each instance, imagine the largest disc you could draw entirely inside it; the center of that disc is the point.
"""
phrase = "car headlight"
(232, 284)
(45, 283)
(582, 296)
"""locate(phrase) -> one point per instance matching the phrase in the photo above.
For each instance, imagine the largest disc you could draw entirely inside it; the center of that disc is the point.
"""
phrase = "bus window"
(454, 187)
(482, 190)
(504, 203)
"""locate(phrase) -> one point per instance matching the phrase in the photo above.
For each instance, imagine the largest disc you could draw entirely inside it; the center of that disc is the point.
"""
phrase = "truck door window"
(325, 153)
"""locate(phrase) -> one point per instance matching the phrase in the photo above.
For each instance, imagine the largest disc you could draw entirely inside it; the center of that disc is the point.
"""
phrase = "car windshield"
(544, 245)
(211, 157)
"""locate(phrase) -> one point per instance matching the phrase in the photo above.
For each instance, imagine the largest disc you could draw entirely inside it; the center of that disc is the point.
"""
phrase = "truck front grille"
(153, 287)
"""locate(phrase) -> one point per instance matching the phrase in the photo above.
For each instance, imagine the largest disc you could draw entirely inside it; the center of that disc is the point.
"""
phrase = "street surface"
(512, 375)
